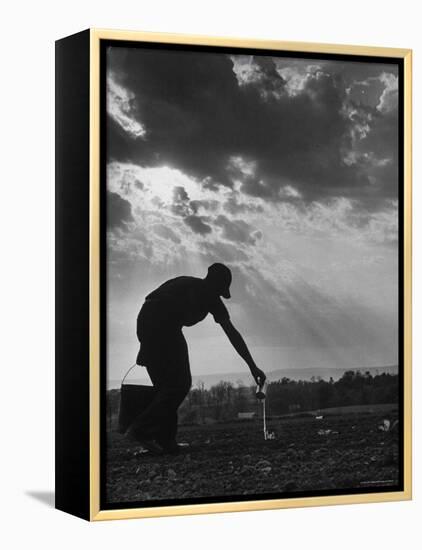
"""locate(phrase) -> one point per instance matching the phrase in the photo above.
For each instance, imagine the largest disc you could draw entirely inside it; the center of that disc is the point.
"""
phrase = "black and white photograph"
(251, 204)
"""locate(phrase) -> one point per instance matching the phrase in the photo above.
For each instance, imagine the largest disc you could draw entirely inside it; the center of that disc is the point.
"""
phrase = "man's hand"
(242, 349)
(258, 375)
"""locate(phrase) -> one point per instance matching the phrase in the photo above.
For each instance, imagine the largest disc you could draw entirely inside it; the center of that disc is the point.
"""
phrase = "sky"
(286, 170)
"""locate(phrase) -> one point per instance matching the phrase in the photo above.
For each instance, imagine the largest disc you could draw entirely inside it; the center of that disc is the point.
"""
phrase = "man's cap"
(221, 277)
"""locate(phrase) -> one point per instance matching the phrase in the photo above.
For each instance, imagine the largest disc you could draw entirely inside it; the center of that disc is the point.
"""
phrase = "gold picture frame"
(91, 508)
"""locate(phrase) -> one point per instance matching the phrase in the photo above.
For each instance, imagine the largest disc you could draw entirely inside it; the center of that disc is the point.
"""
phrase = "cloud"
(166, 233)
(181, 203)
(266, 125)
(206, 205)
(388, 100)
(219, 251)
(269, 81)
(197, 224)
(119, 211)
(297, 73)
(162, 211)
(237, 230)
(241, 166)
(236, 205)
(120, 107)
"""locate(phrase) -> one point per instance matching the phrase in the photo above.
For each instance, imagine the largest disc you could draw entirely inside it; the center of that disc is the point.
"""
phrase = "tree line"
(224, 401)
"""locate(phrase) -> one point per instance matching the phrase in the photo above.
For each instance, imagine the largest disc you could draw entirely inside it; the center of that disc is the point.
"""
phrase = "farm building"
(246, 415)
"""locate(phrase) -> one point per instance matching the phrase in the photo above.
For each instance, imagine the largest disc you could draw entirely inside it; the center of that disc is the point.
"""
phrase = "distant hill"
(245, 378)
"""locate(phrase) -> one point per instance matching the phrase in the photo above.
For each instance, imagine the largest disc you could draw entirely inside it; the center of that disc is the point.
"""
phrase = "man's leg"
(166, 434)
(172, 380)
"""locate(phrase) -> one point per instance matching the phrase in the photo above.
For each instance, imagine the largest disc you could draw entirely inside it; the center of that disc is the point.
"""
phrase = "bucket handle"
(128, 371)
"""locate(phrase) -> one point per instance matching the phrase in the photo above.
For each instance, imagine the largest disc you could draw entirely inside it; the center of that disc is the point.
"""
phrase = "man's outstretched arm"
(240, 346)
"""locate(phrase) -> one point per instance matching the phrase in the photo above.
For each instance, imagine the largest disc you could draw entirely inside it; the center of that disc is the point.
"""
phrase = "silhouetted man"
(180, 302)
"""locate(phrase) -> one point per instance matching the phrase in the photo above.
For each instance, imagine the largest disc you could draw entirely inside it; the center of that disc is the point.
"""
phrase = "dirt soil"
(340, 452)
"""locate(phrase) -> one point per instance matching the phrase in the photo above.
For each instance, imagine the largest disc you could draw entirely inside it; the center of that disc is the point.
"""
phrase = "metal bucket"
(134, 399)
